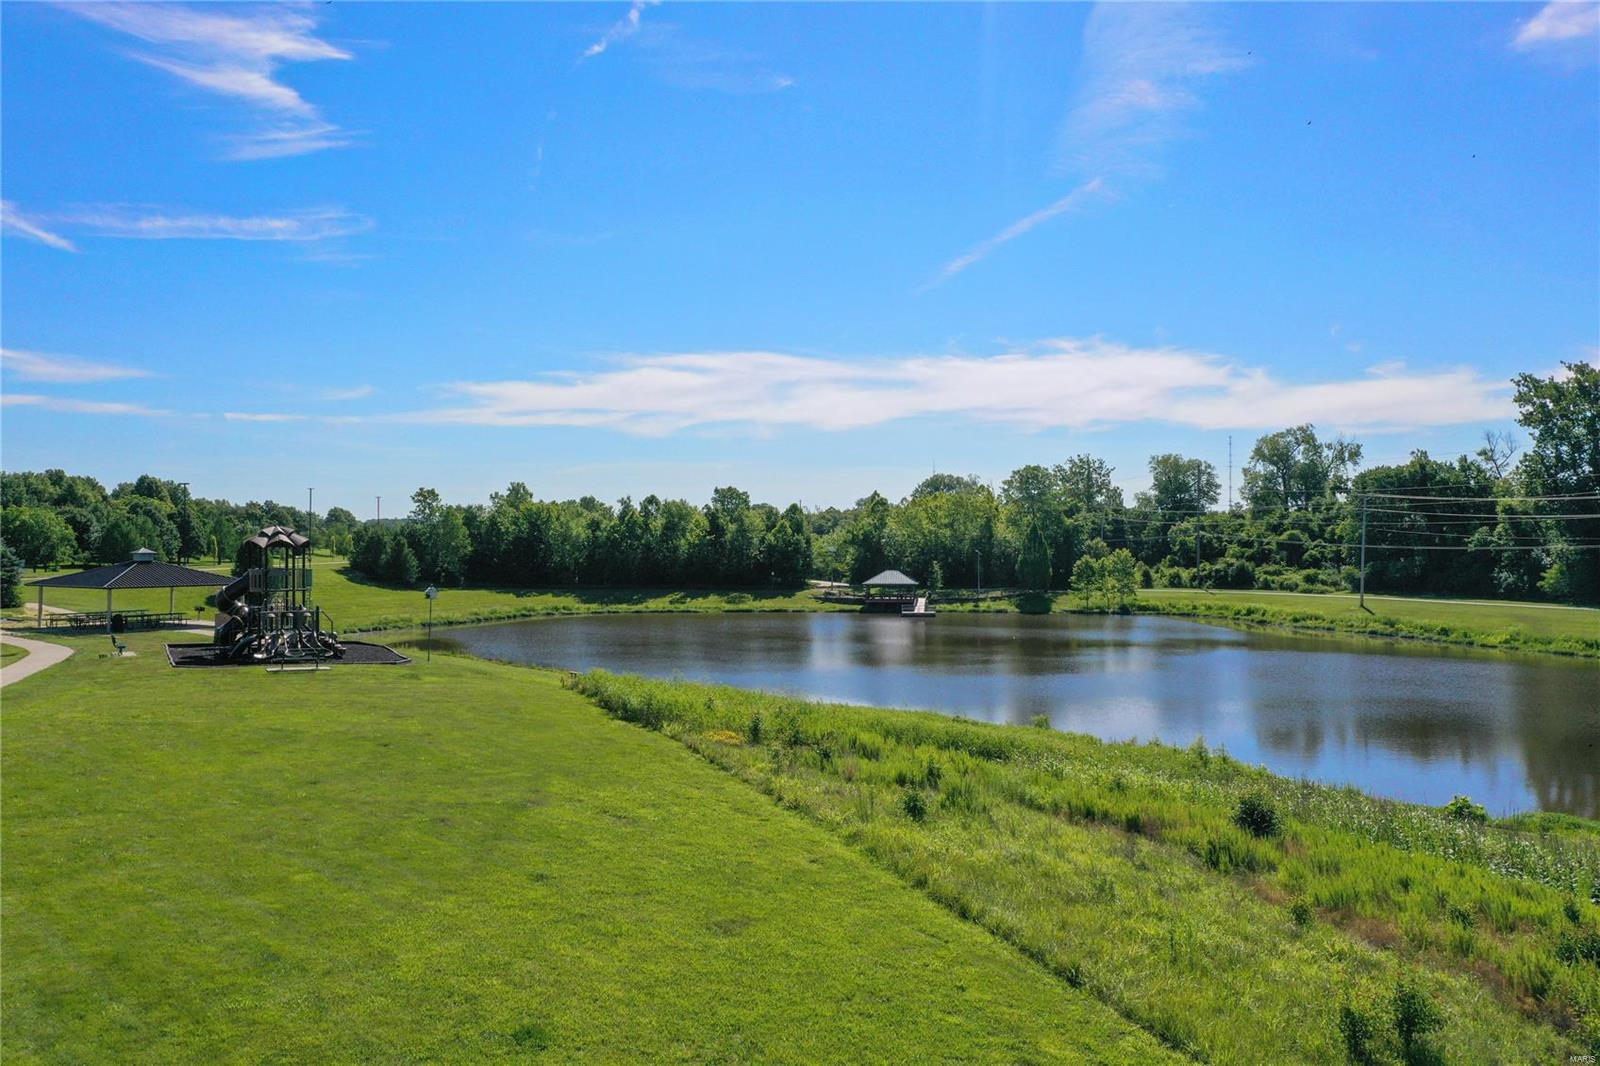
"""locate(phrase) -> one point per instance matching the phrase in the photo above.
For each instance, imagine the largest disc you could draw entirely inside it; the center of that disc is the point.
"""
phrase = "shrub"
(914, 804)
(1415, 1015)
(1040, 721)
(1461, 807)
(1300, 912)
(757, 729)
(1360, 1032)
(1257, 816)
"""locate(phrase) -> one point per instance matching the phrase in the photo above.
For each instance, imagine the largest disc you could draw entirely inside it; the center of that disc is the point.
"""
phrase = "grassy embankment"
(10, 653)
(1478, 623)
(456, 862)
(1121, 869)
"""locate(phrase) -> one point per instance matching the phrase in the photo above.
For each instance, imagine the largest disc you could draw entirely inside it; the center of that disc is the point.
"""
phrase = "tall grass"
(1124, 869)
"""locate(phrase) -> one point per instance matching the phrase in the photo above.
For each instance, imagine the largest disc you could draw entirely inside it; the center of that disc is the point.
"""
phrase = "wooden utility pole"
(1363, 596)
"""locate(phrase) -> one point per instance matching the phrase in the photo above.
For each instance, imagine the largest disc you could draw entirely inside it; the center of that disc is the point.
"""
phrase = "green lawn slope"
(456, 862)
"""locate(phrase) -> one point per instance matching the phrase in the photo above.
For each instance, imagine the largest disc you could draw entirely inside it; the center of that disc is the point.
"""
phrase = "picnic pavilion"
(891, 586)
(141, 571)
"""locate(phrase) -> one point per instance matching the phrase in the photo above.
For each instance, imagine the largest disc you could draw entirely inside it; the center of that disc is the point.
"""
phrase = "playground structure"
(265, 614)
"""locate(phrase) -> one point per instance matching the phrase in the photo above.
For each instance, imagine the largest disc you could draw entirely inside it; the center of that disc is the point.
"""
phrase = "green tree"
(1120, 574)
(1181, 485)
(37, 534)
(1291, 469)
(1562, 412)
(1085, 485)
(400, 563)
(10, 578)
(1033, 565)
(1088, 578)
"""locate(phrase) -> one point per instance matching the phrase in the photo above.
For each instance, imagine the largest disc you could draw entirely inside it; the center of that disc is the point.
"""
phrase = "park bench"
(118, 645)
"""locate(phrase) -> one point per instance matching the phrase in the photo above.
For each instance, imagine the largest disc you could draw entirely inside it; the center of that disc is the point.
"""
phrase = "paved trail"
(41, 655)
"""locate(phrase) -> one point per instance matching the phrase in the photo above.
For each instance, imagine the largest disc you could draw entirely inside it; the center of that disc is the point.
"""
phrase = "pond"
(1405, 720)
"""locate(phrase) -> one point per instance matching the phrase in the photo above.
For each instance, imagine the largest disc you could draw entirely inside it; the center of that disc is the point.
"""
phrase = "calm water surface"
(1401, 720)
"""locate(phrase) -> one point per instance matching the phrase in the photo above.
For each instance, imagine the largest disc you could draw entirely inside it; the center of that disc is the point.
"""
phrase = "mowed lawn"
(353, 602)
(455, 861)
(10, 653)
(1539, 620)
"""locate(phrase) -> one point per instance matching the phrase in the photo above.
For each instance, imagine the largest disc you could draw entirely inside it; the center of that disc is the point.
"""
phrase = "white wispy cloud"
(1073, 200)
(77, 407)
(1142, 67)
(14, 221)
(625, 27)
(1065, 383)
(268, 416)
(1560, 21)
(154, 223)
(62, 369)
(356, 392)
(683, 62)
(235, 52)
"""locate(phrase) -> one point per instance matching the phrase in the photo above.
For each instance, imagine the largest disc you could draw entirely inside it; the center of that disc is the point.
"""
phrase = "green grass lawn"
(354, 603)
(1540, 620)
(456, 862)
(10, 653)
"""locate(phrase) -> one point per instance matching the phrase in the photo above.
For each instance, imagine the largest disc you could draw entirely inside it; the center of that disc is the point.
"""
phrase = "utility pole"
(310, 521)
(1363, 599)
(1230, 473)
(380, 510)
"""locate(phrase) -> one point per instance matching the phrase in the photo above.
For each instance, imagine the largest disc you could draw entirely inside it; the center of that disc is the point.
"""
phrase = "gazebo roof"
(891, 577)
(135, 575)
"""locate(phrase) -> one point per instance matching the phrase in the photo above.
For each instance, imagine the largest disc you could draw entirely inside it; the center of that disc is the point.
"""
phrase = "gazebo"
(891, 585)
(141, 571)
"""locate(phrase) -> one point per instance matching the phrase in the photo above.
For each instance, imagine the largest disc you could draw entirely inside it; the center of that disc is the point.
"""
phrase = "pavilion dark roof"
(135, 575)
(891, 577)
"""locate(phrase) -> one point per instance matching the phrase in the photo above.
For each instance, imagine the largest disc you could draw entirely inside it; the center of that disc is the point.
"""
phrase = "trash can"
(119, 624)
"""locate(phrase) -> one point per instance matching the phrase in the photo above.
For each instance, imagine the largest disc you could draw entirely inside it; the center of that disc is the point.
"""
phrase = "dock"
(917, 609)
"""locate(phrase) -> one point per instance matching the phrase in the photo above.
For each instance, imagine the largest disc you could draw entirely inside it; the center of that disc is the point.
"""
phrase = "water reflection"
(1415, 722)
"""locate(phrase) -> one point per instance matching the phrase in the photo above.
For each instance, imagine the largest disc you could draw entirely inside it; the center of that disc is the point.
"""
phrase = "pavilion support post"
(108, 610)
(41, 607)
(172, 600)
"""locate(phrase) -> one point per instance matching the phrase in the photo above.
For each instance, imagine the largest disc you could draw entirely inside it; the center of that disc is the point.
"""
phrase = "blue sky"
(807, 250)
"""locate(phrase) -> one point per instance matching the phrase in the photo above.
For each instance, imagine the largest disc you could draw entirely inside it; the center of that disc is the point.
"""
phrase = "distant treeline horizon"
(1515, 519)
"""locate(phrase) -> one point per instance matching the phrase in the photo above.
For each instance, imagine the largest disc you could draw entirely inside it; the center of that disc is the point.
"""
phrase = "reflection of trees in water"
(1557, 717)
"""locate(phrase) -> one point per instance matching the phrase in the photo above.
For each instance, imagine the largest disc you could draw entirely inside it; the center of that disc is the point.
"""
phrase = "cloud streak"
(152, 223)
(77, 407)
(14, 221)
(62, 369)
(235, 53)
(624, 28)
(1070, 202)
(249, 416)
(1059, 384)
(1558, 22)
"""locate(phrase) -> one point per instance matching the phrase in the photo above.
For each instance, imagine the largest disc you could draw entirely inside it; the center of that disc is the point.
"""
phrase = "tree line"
(1477, 524)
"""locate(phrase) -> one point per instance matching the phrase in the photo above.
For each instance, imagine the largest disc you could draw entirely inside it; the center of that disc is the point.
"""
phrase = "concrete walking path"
(41, 655)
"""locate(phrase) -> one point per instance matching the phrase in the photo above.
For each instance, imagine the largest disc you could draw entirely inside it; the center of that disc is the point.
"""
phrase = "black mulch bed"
(356, 653)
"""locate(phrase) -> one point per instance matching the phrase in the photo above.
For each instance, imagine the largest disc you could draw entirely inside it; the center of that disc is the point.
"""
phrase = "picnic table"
(133, 619)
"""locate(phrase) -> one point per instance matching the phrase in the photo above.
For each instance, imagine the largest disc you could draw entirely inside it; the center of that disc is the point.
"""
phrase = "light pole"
(310, 512)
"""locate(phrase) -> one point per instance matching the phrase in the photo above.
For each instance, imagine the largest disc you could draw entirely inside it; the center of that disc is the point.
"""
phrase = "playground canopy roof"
(135, 574)
(893, 578)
